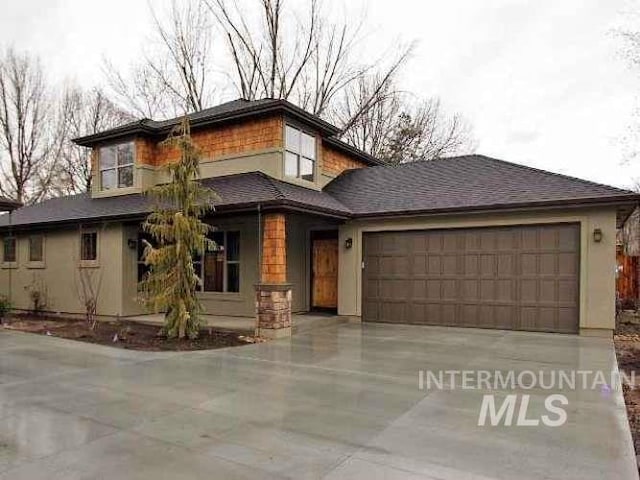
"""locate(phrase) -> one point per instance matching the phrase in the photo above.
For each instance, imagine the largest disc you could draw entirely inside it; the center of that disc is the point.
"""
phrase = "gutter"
(579, 203)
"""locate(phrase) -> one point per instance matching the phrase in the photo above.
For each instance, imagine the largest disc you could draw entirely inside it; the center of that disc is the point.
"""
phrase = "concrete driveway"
(339, 402)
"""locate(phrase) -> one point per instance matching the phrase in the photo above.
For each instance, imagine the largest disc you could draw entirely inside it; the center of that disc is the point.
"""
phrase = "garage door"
(516, 277)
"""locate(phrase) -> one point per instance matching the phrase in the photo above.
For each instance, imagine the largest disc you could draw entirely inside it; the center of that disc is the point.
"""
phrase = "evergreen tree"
(178, 234)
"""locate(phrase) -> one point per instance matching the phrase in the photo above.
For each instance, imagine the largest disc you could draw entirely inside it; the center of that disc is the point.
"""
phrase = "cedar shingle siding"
(223, 141)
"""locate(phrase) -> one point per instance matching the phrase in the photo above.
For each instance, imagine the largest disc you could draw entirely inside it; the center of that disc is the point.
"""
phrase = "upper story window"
(300, 155)
(116, 166)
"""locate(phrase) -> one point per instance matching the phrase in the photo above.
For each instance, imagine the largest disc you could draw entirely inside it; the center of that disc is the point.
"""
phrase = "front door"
(324, 281)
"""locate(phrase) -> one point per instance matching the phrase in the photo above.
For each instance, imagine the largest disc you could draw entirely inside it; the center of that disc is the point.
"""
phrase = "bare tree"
(175, 75)
(29, 145)
(399, 128)
(88, 283)
(305, 58)
(82, 113)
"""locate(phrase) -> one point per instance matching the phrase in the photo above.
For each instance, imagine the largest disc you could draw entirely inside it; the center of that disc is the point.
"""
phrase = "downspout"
(11, 269)
(256, 330)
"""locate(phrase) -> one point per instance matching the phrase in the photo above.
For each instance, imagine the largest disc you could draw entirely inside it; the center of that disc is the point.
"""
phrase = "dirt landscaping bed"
(627, 343)
(123, 334)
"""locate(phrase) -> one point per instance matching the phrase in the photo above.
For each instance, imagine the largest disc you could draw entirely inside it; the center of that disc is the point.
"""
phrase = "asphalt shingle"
(459, 183)
(235, 191)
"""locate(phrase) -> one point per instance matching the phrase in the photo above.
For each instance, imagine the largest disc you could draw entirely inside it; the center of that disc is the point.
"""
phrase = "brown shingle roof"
(457, 184)
(236, 192)
(471, 182)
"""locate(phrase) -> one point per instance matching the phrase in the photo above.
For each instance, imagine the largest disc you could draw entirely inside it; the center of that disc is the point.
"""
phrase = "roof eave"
(351, 150)
(223, 209)
(278, 106)
(619, 201)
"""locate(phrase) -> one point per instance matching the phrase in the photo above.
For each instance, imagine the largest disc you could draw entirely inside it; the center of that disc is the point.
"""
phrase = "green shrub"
(5, 306)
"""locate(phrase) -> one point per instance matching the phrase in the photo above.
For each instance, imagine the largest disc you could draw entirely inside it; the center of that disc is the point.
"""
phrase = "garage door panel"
(471, 264)
(449, 289)
(471, 290)
(488, 265)
(567, 291)
(528, 264)
(567, 264)
(528, 290)
(487, 290)
(548, 264)
(506, 290)
(515, 277)
(419, 265)
(434, 264)
(547, 291)
(548, 238)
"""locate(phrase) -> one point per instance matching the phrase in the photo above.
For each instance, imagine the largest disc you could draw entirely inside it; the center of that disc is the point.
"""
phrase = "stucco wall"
(597, 260)
(58, 276)
(215, 303)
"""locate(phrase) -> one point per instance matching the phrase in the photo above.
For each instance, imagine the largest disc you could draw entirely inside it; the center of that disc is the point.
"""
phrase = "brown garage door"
(517, 277)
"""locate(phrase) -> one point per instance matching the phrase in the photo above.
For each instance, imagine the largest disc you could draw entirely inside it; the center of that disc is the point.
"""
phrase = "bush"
(5, 306)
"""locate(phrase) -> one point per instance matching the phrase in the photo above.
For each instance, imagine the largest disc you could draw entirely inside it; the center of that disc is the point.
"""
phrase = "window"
(116, 166)
(9, 250)
(36, 248)
(300, 155)
(89, 246)
(219, 269)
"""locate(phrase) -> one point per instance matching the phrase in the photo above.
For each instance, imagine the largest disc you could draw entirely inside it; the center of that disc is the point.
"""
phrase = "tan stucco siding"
(597, 260)
(58, 275)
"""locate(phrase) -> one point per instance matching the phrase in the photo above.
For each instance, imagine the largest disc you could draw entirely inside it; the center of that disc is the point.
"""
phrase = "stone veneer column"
(273, 293)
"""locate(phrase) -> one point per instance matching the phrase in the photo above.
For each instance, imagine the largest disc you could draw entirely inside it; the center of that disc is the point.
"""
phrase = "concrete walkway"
(337, 402)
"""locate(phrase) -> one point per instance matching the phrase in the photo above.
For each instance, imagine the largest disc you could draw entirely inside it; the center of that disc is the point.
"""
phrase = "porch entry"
(324, 269)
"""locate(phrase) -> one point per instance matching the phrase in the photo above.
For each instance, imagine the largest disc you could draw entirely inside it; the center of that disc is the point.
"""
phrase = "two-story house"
(308, 222)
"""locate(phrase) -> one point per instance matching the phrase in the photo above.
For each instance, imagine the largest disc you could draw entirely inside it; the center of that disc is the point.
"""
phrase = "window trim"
(117, 167)
(36, 263)
(225, 269)
(87, 262)
(13, 263)
(299, 155)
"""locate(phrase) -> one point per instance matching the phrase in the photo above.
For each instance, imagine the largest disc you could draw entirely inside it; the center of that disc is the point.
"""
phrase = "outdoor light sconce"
(132, 243)
(597, 235)
(348, 243)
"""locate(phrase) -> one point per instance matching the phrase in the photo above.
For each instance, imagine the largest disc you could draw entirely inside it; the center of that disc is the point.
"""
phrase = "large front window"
(116, 166)
(219, 268)
(300, 155)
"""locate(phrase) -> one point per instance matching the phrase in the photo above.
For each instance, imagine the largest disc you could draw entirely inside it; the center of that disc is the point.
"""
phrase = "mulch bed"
(129, 335)
(627, 342)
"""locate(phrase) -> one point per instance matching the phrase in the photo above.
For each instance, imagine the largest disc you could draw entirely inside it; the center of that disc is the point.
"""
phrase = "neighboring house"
(628, 264)
(308, 222)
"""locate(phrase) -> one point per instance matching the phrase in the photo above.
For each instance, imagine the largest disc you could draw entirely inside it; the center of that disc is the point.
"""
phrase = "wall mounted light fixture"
(348, 243)
(597, 235)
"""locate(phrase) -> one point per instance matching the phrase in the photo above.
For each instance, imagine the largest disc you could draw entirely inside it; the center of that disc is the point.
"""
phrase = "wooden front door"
(325, 273)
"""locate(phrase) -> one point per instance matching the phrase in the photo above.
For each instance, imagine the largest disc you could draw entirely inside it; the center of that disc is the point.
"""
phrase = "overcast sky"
(543, 82)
